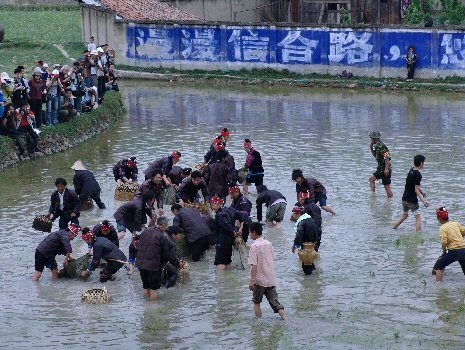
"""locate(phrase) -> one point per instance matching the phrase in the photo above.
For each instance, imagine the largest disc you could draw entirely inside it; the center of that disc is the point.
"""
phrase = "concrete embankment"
(67, 135)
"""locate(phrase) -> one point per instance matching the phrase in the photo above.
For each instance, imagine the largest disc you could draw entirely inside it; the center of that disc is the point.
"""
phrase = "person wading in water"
(383, 157)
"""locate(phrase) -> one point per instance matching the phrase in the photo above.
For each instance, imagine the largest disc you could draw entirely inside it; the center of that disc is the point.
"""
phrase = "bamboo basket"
(184, 272)
(238, 242)
(125, 191)
(42, 223)
(200, 167)
(75, 268)
(96, 296)
(169, 196)
(202, 208)
(307, 254)
(87, 205)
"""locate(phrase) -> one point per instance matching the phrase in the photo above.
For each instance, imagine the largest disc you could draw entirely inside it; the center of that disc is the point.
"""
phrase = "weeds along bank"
(67, 135)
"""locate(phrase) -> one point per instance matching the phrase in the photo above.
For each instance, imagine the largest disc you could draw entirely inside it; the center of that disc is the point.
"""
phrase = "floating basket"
(238, 242)
(169, 197)
(182, 247)
(42, 223)
(125, 191)
(87, 205)
(308, 255)
(184, 272)
(96, 296)
(202, 208)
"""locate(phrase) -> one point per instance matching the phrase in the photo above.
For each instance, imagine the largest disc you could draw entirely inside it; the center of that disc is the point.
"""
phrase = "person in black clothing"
(56, 243)
(133, 217)
(275, 203)
(411, 59)
(126, 170)
(306, 230)
(217, 176)
(225, 231)
(64, 204)
(254, 165)
(170, 271)
(412, 192)
(102, 248)
(241, 204)
(215, 146)
(188, 190)
(107, 230)
(152, 255)
(157, 186)
(85, 185)
(165, 165)
(196, 228)
(178, 174)
(306, 201)
(8, 127)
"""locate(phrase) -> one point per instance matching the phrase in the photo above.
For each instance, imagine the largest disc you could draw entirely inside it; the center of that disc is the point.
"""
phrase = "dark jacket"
(153, 250)
(210, 154)
(71, 203)
(225, 225)
(133, 214)
(314, 211)
(307, 231)
(104, 249)
(313, 186)
(187, 191)
(172, 255)
(56, 243)
(158, 189)
(175, 175)
(193, 224)
(112, 236)
(217, 175)
(164, 165)
(84, 182)
(266, 197)
(254, 162)
(121, 169)
(242, 204)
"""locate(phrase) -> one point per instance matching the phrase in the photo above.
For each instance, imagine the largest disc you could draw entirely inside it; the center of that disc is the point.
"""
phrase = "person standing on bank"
(165, 165)
(263, 272)
(383, 157)
(412, 192)
(56, 243)
(152, 254)
(453, 245)
(195, 227)
(411, 59)
(253, 163)
(126, 170)
(85, 185)
(64, 204)
(275, 203)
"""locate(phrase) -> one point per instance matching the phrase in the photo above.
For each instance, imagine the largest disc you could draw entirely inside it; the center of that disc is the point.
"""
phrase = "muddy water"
(373, 287)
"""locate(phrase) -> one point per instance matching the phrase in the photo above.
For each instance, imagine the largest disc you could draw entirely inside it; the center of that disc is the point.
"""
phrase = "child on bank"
(412, 192)
(263, 272)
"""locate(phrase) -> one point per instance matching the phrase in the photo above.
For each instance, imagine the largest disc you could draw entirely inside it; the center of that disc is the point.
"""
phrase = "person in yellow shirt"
(453, 245)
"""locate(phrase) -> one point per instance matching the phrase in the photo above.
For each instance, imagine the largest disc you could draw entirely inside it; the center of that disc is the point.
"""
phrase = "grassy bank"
(73, 132)
(32, 31)
(287, 78)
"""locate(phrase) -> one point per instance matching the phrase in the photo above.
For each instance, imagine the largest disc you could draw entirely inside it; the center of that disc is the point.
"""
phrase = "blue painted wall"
(368, 48)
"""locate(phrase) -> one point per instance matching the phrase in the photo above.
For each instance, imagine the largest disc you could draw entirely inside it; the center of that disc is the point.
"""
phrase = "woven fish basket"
(87, 205)
(238, 242)
(308, 255)
(169, 197)
(202, 208)
(42, 223)
(200, 167)
(293, 218)
(184, 272)
(96, 296)
(182, 247)
(75, 268)
(242, 174)
(125, 191)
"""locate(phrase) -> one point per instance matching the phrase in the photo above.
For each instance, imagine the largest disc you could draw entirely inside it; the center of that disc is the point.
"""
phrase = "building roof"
(147, 10)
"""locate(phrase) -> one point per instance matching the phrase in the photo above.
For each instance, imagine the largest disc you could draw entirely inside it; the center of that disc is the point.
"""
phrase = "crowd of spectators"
(65, 92)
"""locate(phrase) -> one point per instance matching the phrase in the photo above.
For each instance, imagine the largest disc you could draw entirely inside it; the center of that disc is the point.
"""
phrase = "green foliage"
(31, 31)
(415, 14)
(453, 12)
(346, 17)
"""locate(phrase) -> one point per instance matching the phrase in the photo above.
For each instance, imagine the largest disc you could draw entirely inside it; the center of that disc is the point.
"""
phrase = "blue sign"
(301, 47)
(452, 51)
(248, 45)
(155, 43)
(200, 44)
(350, 48)
(394, 48)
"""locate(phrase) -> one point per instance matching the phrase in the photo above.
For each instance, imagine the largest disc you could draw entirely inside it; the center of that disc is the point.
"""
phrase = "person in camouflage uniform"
(383, 157)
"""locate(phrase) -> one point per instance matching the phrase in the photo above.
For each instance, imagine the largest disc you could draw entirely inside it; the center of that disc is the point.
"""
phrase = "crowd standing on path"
(65, 91)
(155, 245)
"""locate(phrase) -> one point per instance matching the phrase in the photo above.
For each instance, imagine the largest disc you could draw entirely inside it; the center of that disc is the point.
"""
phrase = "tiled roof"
(149, 10)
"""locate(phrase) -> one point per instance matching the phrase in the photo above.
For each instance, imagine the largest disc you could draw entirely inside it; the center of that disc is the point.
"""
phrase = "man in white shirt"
(91, 45)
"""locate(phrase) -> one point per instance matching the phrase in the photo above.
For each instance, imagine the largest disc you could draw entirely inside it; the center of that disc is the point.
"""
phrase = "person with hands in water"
(165, 165)
(56, 243)
(157, 186)
(383, 171)
(126, 170)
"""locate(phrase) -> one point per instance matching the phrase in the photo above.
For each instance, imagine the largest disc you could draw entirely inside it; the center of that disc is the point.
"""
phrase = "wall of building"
(378, 52)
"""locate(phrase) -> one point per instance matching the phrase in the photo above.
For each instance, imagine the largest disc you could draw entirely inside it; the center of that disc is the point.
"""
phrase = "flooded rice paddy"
(373, 288)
